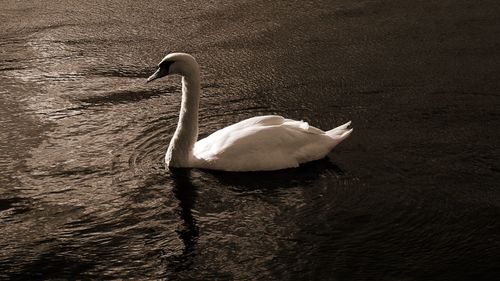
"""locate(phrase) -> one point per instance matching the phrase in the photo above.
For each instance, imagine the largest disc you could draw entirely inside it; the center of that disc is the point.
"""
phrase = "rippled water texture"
(413, 194)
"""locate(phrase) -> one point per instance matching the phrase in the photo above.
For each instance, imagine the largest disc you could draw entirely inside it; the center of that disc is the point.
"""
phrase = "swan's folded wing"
(267, 120)
(261, 147)
(216, 142)
(270, 129)
(302, 125)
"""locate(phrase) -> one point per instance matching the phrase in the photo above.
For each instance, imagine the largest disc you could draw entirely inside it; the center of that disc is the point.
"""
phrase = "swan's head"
(176, 63)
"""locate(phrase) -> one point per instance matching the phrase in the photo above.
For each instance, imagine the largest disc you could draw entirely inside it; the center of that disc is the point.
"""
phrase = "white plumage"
(261, 143)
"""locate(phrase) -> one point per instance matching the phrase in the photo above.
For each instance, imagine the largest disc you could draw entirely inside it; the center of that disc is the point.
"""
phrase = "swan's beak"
(160, 72)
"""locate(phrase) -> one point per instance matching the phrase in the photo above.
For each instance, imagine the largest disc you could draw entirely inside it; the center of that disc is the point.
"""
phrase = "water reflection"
(186, 192)
(306, 174)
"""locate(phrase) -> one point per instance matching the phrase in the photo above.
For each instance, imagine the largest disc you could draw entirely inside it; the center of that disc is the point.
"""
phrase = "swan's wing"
(267, 120)
(301, 125)
(275, 120)
(216, 140)
(263, 143)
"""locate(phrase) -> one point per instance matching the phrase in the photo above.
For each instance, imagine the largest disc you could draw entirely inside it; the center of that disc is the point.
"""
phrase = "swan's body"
(261, 143)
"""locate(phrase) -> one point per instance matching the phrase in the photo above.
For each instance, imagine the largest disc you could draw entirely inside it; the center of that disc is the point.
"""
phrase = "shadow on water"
(126, 96)
(52, 265)
(16, 205)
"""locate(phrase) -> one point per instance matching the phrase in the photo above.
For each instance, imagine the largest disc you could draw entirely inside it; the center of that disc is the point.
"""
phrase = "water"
(411, 195)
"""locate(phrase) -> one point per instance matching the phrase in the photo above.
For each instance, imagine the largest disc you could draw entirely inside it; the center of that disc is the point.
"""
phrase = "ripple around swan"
(149, 148)
(150, 145)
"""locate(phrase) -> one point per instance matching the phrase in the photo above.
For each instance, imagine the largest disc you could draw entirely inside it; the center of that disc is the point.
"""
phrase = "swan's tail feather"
(341, 132)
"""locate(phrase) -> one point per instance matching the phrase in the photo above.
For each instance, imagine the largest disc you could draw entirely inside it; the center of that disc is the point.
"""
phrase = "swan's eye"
(165, 64)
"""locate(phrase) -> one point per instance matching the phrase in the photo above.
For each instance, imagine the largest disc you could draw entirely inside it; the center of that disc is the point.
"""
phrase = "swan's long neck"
(180, 150)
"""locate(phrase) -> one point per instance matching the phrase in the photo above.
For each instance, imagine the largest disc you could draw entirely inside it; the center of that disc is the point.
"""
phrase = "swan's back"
(264, 143)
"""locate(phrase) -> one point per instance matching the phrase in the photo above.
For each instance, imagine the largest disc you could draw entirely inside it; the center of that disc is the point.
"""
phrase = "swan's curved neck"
(180, 150)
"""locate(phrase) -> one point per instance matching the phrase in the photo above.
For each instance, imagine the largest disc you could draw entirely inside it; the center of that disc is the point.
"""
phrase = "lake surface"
(412, 194)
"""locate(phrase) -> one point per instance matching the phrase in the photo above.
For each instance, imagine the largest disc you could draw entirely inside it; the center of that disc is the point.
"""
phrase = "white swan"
(261, 143)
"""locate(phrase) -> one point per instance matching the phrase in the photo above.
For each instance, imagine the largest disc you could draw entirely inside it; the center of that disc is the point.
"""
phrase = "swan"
(262, 143)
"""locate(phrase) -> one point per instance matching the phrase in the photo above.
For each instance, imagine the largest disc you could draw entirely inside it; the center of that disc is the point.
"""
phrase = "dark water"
(413, 194)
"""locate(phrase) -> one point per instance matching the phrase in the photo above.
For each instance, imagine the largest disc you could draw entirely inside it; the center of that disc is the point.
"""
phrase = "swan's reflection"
(186, 193)
(266, 196)
(306, 174)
